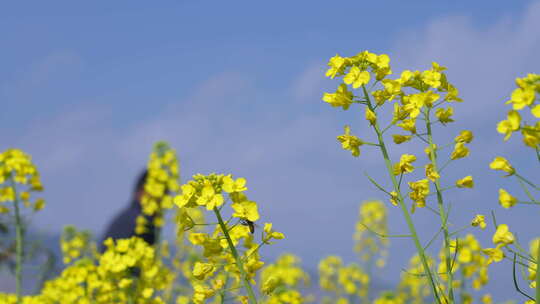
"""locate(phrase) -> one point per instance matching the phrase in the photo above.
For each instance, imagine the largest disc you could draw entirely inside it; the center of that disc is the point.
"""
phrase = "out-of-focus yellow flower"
(464, 136)
(431, 174)
(494, 254)
(460, 151)
(394, 198)
(505, 199)
(399, 139)
(479, 221)
(408, 125)
(420, 189)
(486, 299)
(445, 115)
(522, 97)
(202, 270)
(371, 116)
(17, 166)
(500, 163)
(510, 125)
(466, 182)
(503, 235)
(535, 111)
(432, 78)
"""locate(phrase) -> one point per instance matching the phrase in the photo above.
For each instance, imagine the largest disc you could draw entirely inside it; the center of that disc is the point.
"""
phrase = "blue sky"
(235, 87)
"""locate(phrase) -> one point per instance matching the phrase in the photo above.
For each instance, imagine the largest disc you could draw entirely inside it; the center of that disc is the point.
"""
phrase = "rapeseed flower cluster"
(76, 244)
(419, 100)
(161, 181)
(283, 280)
(525, 96)
(347, 283)
(127, 272)
(221, 247)
(470, 262)
(19, 178)
(16, 167)
(372, 223)
(412, 287)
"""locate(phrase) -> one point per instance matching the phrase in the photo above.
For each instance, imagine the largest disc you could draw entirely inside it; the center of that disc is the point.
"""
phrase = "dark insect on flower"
(248, 223)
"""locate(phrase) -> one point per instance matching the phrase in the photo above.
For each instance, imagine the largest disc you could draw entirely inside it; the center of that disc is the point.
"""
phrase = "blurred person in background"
(123, 225)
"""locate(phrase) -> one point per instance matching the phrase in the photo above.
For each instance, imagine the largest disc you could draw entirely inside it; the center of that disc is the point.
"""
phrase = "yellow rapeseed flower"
(431, 173)
(522, 97)
(405, 164)
(505, 199)
(464, 136)
(230, 185)
(341, 98)
(337, 66)
(510, 125)
(399, 139)
(246, 210)
(503, 235)
(356, 77)
(460, 151)
(371, 116)
(420, 189)
(501, 163)
(479, 221)
(350, 142)
(466, 182)
(445, 115)
(494, 254)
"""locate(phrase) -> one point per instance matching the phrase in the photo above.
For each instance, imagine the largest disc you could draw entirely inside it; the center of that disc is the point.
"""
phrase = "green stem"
(433, 158)
(19, 241)
(538, 274)
(251, 295)
(524, 187)
(459, 230)
(405, 211)
(527, 181)
(531, 260)
(385, 235)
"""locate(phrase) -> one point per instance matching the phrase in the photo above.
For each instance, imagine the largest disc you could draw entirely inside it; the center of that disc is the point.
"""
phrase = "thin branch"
(527, 181)
(433, 238)
(376, 185)
(386, 235)
(515, 280)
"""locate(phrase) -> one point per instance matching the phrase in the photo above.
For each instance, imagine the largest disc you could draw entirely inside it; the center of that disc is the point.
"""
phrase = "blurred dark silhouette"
(123, 225)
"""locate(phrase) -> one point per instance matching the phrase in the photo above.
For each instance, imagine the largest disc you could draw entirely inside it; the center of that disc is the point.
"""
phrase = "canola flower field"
(218, 254)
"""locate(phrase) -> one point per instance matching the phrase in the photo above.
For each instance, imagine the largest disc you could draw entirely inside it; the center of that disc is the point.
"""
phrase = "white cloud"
(308, 86)
(482, 61)
(52, 70)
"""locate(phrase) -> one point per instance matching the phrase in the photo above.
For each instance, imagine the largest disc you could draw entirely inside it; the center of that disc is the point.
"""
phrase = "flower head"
(503, 235)
(501, 163)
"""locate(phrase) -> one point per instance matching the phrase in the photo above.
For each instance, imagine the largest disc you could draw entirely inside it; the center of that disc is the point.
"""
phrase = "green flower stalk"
(19, 242)
(16, 167)
(430, 89)
(239, 263)
(440, 203)
(404, 209)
